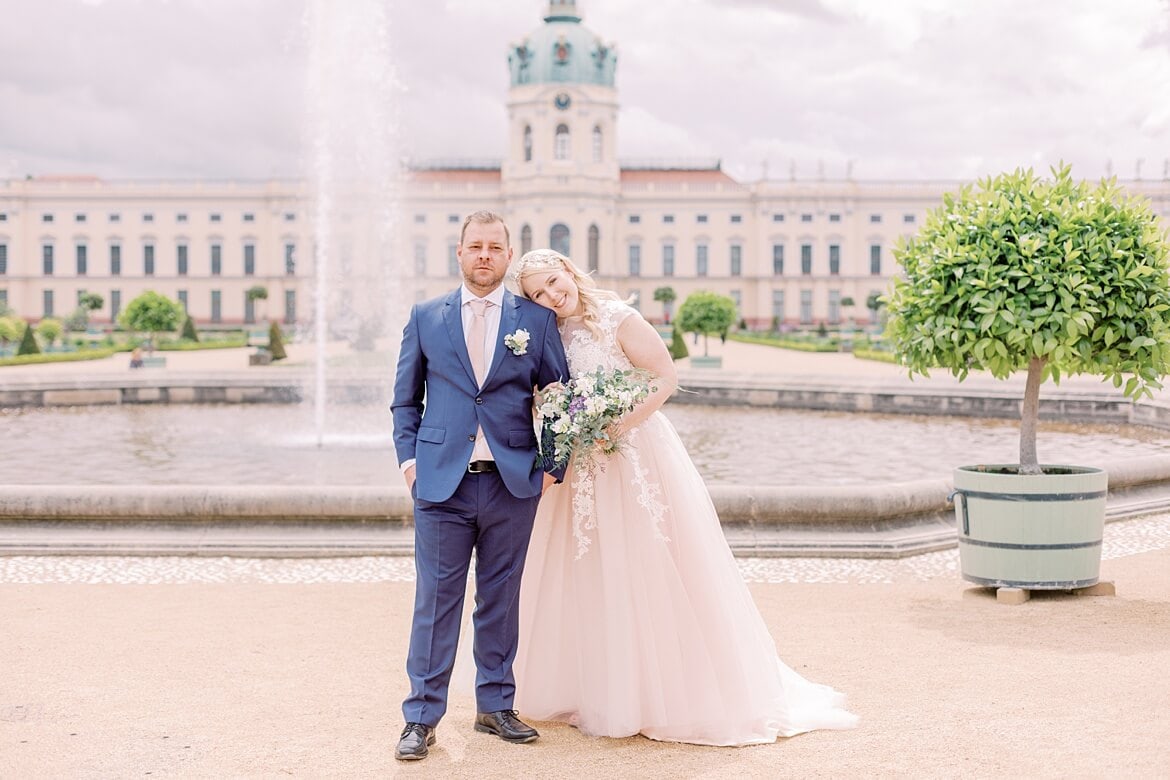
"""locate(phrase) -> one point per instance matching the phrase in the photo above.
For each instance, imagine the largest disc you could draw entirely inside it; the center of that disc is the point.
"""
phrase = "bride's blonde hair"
(543, 260)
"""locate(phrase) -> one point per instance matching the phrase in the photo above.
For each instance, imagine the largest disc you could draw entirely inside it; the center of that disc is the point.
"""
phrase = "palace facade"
(789, 251)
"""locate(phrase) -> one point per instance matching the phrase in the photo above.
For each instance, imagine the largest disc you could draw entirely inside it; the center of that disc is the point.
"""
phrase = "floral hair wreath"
(537, 260)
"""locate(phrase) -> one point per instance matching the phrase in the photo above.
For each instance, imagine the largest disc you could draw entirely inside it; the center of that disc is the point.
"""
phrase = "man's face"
(484, 256)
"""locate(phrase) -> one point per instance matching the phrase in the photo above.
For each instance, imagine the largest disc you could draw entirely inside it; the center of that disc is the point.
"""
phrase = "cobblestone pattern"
(1121, 539)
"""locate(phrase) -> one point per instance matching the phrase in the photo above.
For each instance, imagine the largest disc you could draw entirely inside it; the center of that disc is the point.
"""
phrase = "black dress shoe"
(412, 745)
(505, 725)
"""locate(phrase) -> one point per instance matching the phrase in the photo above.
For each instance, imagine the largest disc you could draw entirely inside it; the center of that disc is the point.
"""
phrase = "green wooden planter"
(1038, 532)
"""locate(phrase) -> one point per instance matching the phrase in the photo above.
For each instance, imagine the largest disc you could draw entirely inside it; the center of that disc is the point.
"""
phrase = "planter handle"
(966, 520)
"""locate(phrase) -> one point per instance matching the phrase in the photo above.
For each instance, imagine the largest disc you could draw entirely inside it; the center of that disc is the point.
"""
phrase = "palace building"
(788, 251)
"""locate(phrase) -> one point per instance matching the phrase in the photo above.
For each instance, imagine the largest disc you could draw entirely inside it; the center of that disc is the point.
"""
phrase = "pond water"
(274, 444)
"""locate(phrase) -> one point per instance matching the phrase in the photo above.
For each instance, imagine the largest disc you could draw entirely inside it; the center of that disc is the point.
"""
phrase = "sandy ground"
(305, 680)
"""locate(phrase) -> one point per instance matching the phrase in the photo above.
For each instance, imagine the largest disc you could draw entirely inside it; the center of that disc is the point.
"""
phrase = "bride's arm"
(646, 350)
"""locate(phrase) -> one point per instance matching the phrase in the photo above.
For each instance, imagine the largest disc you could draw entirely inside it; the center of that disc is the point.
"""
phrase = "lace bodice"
(587, 352)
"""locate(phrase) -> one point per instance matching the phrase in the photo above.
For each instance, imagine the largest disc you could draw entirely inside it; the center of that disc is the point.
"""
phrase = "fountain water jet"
(355, 174)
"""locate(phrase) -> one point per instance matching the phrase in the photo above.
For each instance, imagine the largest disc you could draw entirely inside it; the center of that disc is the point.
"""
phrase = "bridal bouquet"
(575, 416)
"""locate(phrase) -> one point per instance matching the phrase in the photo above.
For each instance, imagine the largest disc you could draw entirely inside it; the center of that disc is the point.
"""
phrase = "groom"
(463, 433)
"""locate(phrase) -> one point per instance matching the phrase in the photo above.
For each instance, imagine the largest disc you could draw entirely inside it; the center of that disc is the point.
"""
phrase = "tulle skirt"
(634, 618)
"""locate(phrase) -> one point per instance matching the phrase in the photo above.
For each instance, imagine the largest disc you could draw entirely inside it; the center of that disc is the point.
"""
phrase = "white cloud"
(906, 88)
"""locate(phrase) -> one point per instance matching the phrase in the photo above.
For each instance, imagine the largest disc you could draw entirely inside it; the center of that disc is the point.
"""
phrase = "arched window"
(525, 239)
(597, 149)
(561, 143)
(558, 239)
(527, 143)
(594, 246)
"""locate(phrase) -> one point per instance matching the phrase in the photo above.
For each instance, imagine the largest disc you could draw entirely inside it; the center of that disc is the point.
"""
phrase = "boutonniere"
(517, 342)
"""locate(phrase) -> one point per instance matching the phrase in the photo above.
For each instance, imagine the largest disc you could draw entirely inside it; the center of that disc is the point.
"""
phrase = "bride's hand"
(538, 393)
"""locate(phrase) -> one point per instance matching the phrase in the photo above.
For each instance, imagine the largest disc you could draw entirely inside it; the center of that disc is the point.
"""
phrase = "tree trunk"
(1029, 414)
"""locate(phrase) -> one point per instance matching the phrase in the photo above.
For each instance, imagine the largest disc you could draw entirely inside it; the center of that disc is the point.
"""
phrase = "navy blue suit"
(437, 409)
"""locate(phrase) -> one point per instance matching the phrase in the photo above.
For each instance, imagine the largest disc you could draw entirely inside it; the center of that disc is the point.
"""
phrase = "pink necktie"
(476, 335)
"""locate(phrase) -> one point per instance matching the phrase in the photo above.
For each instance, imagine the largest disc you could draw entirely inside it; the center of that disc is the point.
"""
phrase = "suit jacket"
(438, 406)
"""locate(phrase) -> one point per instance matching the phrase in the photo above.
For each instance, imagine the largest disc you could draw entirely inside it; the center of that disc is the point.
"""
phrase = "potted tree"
(706, 313)
(1050, 277)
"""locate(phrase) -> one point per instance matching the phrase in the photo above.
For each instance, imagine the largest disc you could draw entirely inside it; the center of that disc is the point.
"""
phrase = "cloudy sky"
(895, 89)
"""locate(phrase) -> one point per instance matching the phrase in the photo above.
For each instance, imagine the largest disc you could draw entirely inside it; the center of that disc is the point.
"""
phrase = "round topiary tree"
(666, 296)
(151, 313)
(1048, 276)
(50, 329)
(255, 293)
(707, 313)
(11, 329)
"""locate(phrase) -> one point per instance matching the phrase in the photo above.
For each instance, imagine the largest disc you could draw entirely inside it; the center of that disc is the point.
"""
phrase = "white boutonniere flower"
(517, 342)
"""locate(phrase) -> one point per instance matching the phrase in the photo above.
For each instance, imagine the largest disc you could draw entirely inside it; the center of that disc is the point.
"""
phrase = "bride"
(634, 618)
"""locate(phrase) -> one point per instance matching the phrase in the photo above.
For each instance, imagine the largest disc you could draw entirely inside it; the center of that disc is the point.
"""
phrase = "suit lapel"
(453, 317)
(509, 318)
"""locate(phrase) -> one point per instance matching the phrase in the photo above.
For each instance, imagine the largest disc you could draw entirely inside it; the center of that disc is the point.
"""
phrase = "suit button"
(471, 437)
(479, 400)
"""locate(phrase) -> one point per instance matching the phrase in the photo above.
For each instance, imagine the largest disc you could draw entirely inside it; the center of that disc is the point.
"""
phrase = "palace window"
(635, 260)
(594, 247)
(875, 259)
(668, 260)
(115, 259)
(148, 259)
(778, 306)
(527, 143)
(597, 147)
(525, 239)
(82, 259)
(558, 239)
(806, 259)
(777, 259)
(561, 143)
(834, 259)
(736, 260)
(181, 249)
(420, 258)
(47, 259)
(701, 260)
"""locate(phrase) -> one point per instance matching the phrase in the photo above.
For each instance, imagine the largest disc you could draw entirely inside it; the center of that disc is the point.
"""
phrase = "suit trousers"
(482, 516)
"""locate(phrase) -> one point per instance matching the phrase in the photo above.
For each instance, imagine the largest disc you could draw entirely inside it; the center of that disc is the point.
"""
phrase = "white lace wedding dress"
(633, 615)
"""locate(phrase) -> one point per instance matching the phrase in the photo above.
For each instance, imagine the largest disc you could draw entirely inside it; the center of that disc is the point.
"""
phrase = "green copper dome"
(562, 51)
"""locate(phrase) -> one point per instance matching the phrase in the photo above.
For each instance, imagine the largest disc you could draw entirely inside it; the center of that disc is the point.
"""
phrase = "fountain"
(355, 173)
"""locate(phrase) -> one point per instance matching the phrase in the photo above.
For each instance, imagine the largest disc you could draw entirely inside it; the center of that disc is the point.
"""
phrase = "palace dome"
(562, 51)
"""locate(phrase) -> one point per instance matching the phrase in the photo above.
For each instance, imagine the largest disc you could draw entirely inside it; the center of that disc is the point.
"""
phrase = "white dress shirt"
(491, 330)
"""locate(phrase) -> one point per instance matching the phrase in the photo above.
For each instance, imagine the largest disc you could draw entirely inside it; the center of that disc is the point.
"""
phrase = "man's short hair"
(485, 217)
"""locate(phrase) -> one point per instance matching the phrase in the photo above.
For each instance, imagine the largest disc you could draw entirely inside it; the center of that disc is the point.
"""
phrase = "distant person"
(463, 433)
(136, 358)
